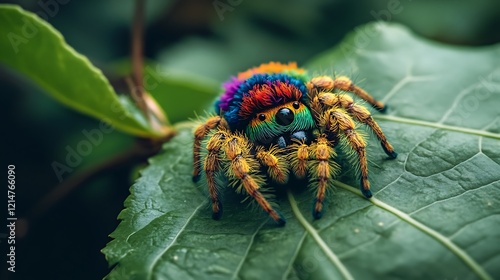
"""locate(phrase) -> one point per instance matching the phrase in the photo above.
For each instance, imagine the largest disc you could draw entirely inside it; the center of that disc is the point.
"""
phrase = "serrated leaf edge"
(141, 131)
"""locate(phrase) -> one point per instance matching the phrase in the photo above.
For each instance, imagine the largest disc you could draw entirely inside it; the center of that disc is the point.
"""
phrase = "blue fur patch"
(232, 117)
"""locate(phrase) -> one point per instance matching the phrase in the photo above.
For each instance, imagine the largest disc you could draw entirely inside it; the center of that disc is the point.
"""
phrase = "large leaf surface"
(35, 49)
(435, 211)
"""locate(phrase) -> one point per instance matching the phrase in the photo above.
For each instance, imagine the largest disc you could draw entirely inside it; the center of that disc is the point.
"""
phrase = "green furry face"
(282, 124)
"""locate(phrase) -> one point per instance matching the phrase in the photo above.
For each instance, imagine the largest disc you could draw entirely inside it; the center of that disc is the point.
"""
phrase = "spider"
(273, 123)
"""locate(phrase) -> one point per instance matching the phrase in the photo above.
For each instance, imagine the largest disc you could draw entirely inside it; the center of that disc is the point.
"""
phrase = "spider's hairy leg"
(298, 158)
(325, 168)
(344, 83)
(200, 133)
(276, 163)
(340, 123)
(243, 167)
(360, 113)
(211, 165)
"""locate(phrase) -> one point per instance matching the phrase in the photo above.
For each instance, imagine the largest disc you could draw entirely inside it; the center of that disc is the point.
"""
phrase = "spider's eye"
(262, 117)
(296, 104)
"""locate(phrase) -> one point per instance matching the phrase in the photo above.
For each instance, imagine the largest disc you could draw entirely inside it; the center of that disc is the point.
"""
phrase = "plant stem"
(153, 113)
(137, 59)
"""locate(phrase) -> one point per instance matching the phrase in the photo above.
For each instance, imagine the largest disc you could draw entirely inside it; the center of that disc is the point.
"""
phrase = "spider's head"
(280, 124)
(270, 108)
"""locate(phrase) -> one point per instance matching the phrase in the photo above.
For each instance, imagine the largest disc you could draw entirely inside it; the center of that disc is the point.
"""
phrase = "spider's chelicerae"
(273, 121)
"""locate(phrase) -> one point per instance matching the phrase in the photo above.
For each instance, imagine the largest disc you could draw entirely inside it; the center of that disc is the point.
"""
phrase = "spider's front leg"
(244, 167)
(322, 169)
(317, 161)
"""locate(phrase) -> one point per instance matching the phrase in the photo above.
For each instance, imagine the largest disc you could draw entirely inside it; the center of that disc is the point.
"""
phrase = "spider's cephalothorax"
(273, 120)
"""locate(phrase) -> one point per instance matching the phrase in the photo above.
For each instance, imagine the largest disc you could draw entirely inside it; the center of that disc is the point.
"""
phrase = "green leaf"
(35, 49)
(435, 210)
(181, 94)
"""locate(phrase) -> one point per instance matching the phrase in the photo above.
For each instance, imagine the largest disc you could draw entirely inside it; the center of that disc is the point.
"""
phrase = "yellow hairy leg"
(340, 123)
(326, 83)
(323, 169)
(243, 167)
(277, 165)
(211, 166)
(200, 133)
(299, 158)
(360, 113)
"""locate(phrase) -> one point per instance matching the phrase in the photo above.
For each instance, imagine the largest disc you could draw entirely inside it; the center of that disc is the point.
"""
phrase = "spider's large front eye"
(284, 116)
(262, 117)
(296, 104)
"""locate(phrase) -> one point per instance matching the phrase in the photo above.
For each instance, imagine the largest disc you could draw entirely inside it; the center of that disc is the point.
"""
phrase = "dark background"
(192, 36)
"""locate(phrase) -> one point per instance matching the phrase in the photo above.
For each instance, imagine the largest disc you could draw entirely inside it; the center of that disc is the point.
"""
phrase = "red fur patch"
(266, 96)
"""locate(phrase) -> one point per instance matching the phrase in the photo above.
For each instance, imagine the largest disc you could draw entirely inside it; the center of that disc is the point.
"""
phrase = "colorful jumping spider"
(273, 120)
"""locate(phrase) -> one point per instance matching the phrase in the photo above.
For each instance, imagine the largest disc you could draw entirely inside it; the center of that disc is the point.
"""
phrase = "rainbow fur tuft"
(258, 89)
(274, 67)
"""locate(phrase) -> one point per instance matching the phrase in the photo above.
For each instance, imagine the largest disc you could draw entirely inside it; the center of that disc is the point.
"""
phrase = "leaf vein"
(473, 265)
(452, 197)
(155, 261)
(240, 265)
(456, 233)
(404, 81)
(295, 255)
(321, 243)
(439, 126)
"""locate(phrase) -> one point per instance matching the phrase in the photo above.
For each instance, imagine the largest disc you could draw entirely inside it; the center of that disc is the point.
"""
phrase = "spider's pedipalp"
(298, 157)
(341, 124)
(360, 113)
(276, 163)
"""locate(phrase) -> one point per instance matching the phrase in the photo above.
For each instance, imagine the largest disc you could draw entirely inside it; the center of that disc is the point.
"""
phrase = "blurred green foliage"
(189, 36)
